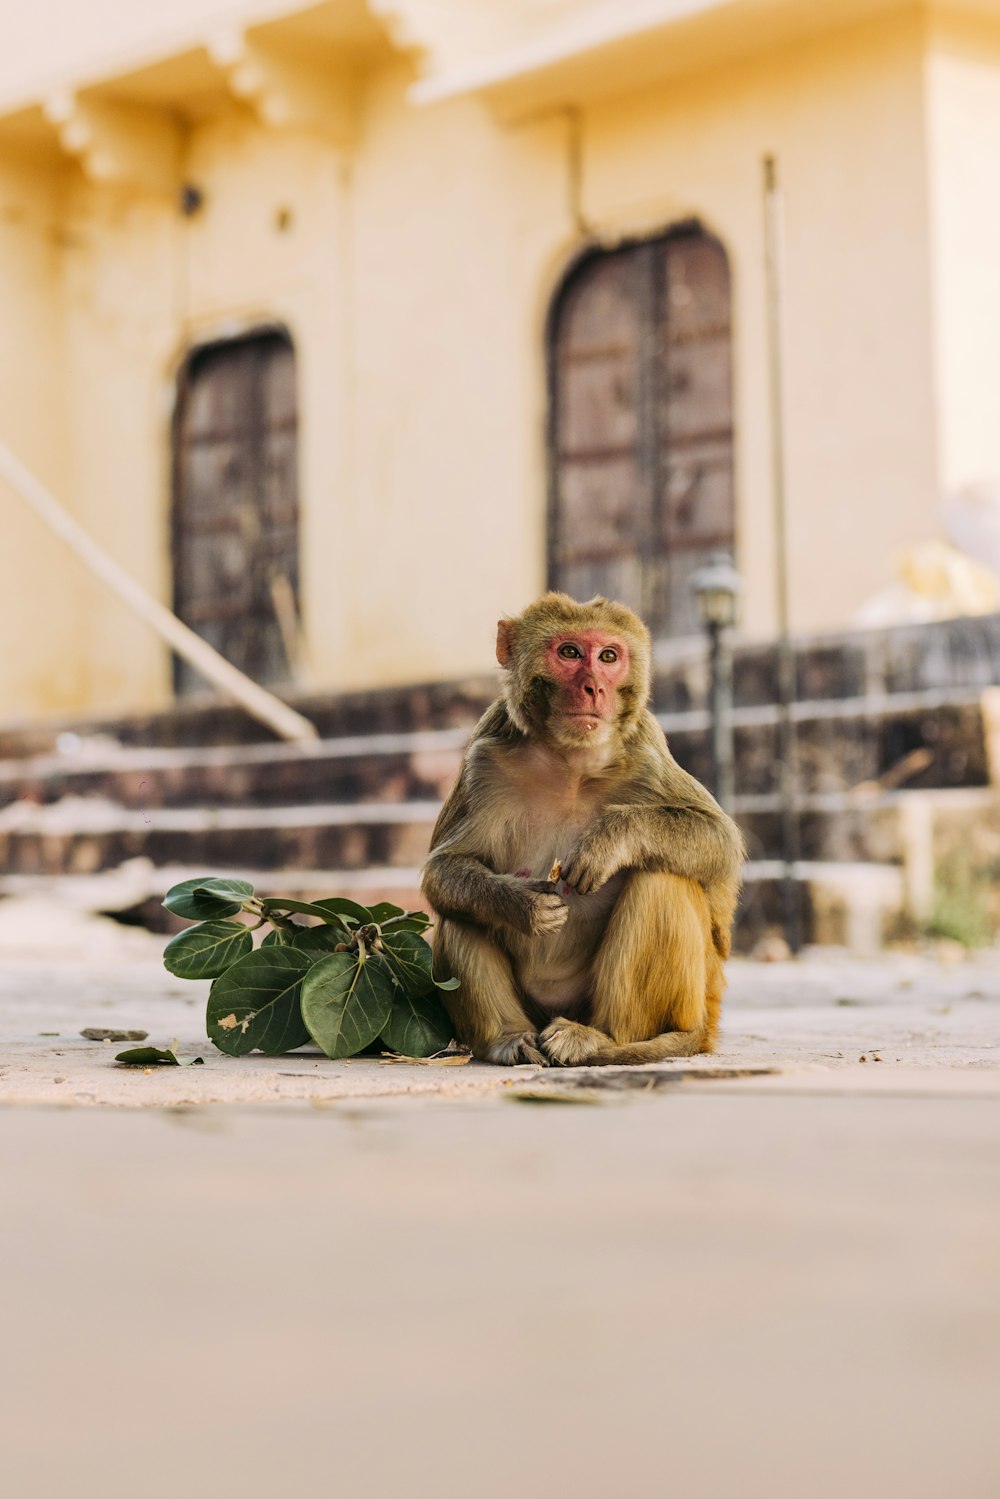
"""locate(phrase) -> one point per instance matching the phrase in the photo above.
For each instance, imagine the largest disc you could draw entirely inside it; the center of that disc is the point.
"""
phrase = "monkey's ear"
(506, 635)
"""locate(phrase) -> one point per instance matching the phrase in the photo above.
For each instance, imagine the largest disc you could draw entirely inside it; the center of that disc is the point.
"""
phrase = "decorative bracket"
(118, 143)
(402, 25)
(288, 91)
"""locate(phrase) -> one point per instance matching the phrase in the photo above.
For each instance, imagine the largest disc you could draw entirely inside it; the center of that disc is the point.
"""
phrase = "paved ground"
(821, 1022)
(773, 1282)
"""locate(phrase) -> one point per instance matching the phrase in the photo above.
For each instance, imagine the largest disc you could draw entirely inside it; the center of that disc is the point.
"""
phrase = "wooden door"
(235, 511)
(641, 439)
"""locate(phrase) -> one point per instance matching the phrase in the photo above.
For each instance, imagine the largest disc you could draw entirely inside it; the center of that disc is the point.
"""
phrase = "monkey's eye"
(608, 655)
(569, 652)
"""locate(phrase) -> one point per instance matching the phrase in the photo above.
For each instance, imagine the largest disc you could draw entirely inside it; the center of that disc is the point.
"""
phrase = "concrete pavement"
(810, 1022)
(772, 1283)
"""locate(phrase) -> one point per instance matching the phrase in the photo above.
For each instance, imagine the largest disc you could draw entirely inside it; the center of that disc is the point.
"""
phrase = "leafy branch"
(356, 975)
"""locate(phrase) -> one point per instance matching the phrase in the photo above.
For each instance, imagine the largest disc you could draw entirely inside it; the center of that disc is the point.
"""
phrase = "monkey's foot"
(569, 1044)
(514, 1051)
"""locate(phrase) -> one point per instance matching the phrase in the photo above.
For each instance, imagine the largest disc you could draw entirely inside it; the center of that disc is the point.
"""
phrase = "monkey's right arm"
(466, 890)
(459, 883)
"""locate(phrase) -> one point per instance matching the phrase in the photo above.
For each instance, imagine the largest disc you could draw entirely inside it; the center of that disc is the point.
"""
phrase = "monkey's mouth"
(587, 720)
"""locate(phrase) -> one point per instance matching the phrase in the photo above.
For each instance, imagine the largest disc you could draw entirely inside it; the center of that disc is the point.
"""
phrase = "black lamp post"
(717, 587)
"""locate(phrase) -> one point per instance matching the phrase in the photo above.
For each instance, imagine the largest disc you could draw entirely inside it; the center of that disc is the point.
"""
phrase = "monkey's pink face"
(588, 669)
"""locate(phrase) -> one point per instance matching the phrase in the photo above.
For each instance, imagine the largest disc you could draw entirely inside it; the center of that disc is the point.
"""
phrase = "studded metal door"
(641, 439)
(235, 514)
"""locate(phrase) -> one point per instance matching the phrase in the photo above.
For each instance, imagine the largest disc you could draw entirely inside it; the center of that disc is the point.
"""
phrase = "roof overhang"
(123, 119)
(612, 47)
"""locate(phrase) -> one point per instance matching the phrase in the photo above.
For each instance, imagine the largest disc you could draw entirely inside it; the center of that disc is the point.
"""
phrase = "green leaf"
(340, 906)
(146, 1056)
(383, 910)
(310, 939)
(411, 960)
(256, 1003)
(206, 899)
(346, 1003)
(300, 907)
(410, 956)
(319, 939)
(203, 952)
(418, 1027)
(225, 887)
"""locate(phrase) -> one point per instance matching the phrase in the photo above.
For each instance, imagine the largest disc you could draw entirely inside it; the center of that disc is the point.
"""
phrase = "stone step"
(917, 740)
(365, 768)
(928, 843)
(855, 906)
(942, 656)
(134, 891)
(920, 740)
(947, 658)
(208, 722)
(85, 836)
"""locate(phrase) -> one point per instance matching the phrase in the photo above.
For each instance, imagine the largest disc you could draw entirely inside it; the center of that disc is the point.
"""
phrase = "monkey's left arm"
(672, 824)
(700, 844)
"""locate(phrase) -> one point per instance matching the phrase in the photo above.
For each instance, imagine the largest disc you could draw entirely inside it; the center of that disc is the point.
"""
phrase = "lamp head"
(718, 587)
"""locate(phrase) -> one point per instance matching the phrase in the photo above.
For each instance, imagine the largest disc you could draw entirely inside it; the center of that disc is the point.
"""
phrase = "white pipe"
(257, 701)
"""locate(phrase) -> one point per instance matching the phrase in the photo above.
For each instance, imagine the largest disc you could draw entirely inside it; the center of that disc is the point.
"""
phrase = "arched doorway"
(641, 424)
(235, 505)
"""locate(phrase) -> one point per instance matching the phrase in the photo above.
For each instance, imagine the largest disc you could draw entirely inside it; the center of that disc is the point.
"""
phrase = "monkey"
(585, 884)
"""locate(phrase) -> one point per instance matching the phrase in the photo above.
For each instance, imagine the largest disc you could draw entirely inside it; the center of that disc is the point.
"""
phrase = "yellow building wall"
(963, 78)
(40, 663)
(480, 216)
(117, 297)
(843, 116)
(144, 285)
(415, 275)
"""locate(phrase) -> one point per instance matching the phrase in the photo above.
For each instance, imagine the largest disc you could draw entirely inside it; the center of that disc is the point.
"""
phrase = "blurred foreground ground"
(771, 1282)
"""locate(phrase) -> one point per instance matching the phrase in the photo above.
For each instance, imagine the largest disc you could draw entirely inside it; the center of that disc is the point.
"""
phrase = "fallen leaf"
(442, 1059)
(105, 1033)
(139, 1056)
(556, 1095)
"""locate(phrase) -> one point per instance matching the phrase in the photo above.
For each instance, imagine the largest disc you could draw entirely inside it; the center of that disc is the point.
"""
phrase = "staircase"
(120, 811)
(896, 736)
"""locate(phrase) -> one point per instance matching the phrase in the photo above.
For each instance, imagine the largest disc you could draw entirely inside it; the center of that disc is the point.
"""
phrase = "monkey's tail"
(656, 1049)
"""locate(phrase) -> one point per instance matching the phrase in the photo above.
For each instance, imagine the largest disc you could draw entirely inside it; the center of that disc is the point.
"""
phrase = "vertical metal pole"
(721, 709)
(787, 747)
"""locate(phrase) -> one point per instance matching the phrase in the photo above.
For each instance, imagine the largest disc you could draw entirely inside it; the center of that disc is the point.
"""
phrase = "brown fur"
(628, 967)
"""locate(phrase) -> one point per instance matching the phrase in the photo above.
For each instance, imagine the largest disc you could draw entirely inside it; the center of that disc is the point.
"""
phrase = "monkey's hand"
(514, 1050)
(541, 911)
(592, 863)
